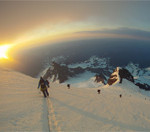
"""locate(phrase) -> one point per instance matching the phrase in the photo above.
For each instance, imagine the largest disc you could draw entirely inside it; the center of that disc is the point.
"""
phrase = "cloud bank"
(124, 31)
(18, 18)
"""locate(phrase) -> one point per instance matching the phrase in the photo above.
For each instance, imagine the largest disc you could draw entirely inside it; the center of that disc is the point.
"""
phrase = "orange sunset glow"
(3, 51)
(74, 65)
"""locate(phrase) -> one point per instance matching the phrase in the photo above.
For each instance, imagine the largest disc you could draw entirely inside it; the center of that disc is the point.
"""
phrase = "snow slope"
(22, 108)
(75, 109)
(81, 77)
(82, 109)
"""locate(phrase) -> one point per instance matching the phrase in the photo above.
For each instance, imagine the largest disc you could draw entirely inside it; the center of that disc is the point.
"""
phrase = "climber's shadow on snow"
(96, 117)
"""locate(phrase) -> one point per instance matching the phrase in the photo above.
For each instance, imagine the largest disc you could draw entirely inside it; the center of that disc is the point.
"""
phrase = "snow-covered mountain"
(121, 73)
(141, 75)
(74, 109)
(119, 51)
(92, 62)
(118, 75)
(96, 67)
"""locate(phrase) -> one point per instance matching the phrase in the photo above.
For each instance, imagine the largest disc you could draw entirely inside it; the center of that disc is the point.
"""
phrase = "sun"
(3, 51)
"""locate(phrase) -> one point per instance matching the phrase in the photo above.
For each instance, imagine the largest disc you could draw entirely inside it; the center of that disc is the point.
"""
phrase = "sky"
(27, 24)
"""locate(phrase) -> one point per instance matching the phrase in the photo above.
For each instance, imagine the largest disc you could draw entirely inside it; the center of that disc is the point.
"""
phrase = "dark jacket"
(43, 84)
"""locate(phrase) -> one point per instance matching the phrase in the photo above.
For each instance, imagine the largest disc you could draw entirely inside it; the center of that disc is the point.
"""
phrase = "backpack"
(47, 82)
(43, 85)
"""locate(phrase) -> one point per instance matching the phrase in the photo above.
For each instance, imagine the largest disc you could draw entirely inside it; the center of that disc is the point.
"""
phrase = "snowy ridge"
(83, 71)
(128, 86)
(62, 72)
(22, 107)
(92, 62)
(88, 84)
(116, 75)
(83, 77)
(140, 75)
(74, 109)
(134, 69)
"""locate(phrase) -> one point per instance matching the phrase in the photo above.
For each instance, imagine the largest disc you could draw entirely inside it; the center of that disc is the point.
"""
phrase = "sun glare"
(3, 51)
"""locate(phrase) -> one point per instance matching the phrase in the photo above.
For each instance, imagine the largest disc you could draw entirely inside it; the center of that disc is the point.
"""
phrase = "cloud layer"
(19, 18)
(124, 31)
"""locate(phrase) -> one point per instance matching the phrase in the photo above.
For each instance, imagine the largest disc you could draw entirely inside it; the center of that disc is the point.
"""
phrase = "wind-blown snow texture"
(75, 109)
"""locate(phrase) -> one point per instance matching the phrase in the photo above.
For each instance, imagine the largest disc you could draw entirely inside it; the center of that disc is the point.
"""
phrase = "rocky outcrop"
(143, 86)
(118, 75)
(113, 77)
(62, 72)
(124, 73)
(58, 72)
(121, 73)
(100, 78)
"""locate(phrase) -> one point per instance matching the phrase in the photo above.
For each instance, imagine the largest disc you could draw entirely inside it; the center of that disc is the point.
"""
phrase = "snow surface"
(141, 75)
(74, 109)
(82, 109)
(133, 69)
(81, 77)
(22, 108)
(86, 84)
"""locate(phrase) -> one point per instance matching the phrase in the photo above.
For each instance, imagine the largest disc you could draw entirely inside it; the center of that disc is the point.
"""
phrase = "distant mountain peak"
(60, 71)
(119, 74)
(99, 69)
(92, 62)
